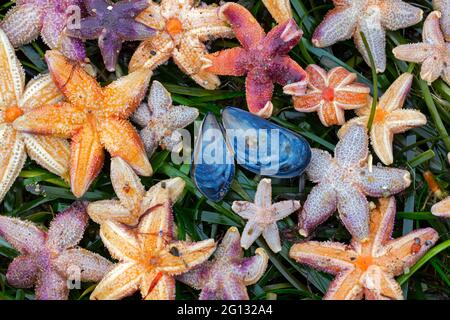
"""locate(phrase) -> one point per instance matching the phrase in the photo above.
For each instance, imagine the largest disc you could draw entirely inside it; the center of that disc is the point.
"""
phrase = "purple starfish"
(113, 24)
(29, 18)
(50, 259)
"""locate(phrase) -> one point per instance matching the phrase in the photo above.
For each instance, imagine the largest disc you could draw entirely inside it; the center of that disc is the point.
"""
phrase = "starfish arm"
(197, 277)
(251, 269)
(263, 195)
(206, 24)
(110, 46)
(151, 140)
(381, 138)
(22, 24)
(89, 28)
(189, 58)
(339, 77)
(432, 69)
(210, 292)
(345, 286)
(382, 181)
(244, 209)
(319, 206)
(51, 153)
(165, 190)
(155, 228)
(272, 236)
(39, 92)
(310, 102)
(159, 100)
(131, 30)
(152, 52)
(396, 94)
(246, 28)
(103, 210)
(352, 96)
(417, 52)
(330, 114)
(189, 255)
(164, 289)
(446, 74)
(122, 281)
(86, 158)
(229, 62)
(80, 262)
(233, 289)
(120, 241)
(281, 39)
(398, 14)
(22, 272)
(289, 74)
(382, 219)
(170, 7)
(142, 115)
(402, 120)
(51, 286)
(283, 209)
(126, 184)
(442, 208)
(64, 118)
(357, 121)
(67, 228)
(259, 90)
(96, 6)
(279, 9)
(130, 8)
(252, 231)
(114, 133)
(317, 77)
(444, 7)
(378, 285)
(22, 235)
(181, 116)
(339, 24)
(352, 148)
(230, 247)
(320, 165)
(370, 25)
(12, 157)
(76, 84)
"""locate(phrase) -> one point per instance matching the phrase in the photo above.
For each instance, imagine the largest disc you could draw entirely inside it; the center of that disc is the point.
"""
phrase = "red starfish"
(263, 58)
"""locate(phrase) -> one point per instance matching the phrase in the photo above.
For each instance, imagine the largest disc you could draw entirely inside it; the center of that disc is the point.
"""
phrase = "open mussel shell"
(212, 162)
(263, 147)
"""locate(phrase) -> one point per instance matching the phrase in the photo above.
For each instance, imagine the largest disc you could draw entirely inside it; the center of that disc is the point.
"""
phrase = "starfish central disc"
(174, 26)
(12, 114)
(380, 115)
(328, 94)
(364, 262)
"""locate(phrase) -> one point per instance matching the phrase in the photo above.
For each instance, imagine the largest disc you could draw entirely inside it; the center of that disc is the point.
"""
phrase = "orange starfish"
(94, 118)
(148, 257)
(368, 268)
(330, 94)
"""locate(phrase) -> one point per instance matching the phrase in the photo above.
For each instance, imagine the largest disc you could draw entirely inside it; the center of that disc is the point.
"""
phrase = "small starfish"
(94, 118)
(182, 28)
(29, 18)
(112, 24)
(279, 9)
(16, 100)
(133, 201)
(344, 182)
(389, 119)
(330, 94)
(367, 269)
(227, 276)
(371, 17)
(148, 256)
(263, 58)
(433, 53)
(161, 120)
(49, 260)
(442, 208)
(444, 7)
(262, 216)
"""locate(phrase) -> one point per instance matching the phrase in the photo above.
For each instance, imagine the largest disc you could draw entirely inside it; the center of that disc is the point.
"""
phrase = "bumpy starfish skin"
(15, 100)
(330, 94)
(112, 24)
(344, 182)
(433, 53)
(262, 216)
(48, 260)
(133, 200)
(94, 118)
(227, 276)
(148, 256)
(367, 269)
(262, 58)
(182, 28)
(390, 118)
(160, 120)
(29, 18)
(279, 9)
(442, 208)
(372, 17)
(444, 7)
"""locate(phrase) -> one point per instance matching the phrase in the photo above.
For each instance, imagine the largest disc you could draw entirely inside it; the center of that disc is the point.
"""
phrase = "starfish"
(182, 28)
(133, 201)
(344, 182)
(279, 9)
(330, 94)
(442, 208)
(227, 276)
(262, 216)
(263, 58)
(389, 119)
(160, 120)
(367, 269)
(372, 18)
(433, 53)
(29, 18)
(16, 100)
(148, 256)
(94, 118)
(112, 24)
(444, 7)
(48, 260)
